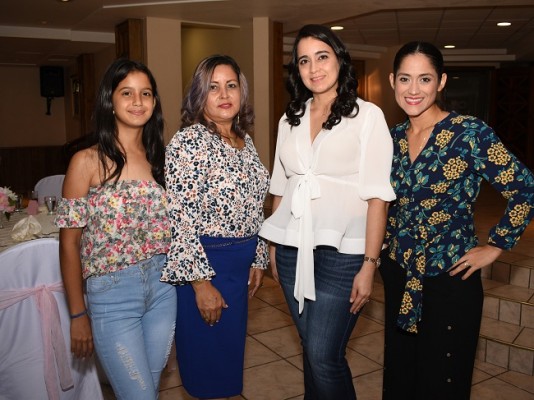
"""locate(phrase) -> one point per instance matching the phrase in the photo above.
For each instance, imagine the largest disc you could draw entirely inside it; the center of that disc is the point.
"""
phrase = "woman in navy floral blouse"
(432, 275)
(217, 186)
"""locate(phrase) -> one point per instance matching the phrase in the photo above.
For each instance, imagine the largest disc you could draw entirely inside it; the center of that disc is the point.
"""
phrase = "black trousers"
(437, 362)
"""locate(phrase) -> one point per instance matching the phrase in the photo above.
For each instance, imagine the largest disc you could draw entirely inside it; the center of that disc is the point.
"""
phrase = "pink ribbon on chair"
(53, 340)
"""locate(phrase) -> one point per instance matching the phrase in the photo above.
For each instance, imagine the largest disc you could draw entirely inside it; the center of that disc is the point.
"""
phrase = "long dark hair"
(345, 103)
(106, 133)
(197, 95)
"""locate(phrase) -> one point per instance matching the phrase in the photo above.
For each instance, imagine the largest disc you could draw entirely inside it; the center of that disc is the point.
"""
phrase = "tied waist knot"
(54, 345)
(307, 189)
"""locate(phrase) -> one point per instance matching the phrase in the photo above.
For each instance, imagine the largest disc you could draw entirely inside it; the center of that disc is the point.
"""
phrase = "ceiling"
(49, 32)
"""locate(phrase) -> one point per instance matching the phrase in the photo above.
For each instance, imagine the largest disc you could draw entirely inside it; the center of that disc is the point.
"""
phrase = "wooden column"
(130, 40)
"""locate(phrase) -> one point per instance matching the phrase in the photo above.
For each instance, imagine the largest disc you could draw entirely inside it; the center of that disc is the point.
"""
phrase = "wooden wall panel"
(22, 167)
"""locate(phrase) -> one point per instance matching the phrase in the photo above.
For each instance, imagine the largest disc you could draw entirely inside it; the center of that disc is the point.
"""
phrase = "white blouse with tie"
(324, 186)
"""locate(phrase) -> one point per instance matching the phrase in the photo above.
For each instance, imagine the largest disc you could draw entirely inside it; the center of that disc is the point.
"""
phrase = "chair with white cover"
(50, 186)
(35, 358)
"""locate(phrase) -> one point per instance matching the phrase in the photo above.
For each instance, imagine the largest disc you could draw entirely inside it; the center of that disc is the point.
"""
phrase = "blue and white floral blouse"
(431, 226)
(214, 190)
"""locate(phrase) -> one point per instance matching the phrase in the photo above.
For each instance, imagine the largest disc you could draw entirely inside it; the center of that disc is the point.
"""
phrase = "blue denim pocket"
(101, 284)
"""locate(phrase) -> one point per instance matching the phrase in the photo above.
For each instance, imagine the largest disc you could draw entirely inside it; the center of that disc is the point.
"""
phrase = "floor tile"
(266, 319)
(369, 386)
(276, 380)
(495, 389)
(283, 341)
(371, 346)
(257, 354)
(365, 326)
(522, 381)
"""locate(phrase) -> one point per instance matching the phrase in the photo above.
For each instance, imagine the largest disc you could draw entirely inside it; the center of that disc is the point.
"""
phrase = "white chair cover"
(50, 186)
(35, 358)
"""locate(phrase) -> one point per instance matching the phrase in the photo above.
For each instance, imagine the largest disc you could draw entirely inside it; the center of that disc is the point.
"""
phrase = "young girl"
(115, 234)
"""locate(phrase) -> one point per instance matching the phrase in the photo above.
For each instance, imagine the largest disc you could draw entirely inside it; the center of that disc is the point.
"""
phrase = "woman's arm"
(508, 175)
(374, 237)
(272, 246)
(76, 185)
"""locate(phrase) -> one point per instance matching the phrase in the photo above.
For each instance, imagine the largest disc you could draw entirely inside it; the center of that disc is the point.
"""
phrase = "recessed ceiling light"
(63, 1)
(449, 46)
(504, 23)
(337, 28)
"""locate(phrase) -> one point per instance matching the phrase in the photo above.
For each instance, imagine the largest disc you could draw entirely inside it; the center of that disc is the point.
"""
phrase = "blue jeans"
(326, 324)
(133, 317)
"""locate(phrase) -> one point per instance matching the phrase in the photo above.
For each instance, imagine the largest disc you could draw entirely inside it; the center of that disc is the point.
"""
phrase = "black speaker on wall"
(52, 82)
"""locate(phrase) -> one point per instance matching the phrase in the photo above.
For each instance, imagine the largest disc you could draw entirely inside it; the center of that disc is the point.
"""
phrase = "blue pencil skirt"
(210, 358)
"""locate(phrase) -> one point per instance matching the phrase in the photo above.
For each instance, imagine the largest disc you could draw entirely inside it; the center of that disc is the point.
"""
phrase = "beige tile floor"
(273, 354)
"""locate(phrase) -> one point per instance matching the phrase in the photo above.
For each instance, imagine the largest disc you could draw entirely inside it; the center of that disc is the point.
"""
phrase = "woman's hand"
(81, 337)
(209, 301)
(255, 281)
(362, 286)
(272, 261)
(476, 258)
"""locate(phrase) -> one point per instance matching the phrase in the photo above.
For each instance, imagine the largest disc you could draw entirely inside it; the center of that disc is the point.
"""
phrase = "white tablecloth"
(49, 230)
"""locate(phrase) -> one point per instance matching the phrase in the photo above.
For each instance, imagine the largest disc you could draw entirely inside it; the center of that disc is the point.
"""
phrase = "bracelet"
(375, 261)
(198, 281)
(74, 316)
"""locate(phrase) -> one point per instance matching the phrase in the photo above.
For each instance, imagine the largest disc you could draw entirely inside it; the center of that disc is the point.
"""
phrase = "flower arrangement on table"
(7, 201)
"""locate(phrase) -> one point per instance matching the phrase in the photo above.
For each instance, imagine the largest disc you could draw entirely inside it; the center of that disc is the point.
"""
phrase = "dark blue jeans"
(326, 324)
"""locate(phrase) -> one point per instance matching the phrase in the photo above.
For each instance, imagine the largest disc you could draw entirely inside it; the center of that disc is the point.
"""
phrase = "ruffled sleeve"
(187, 163)
(279, 178)
(261, 260)
(71, 213)
(376, 156)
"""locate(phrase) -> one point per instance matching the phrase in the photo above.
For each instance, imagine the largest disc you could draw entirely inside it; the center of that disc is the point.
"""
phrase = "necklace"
(232, 139)
(424, 131)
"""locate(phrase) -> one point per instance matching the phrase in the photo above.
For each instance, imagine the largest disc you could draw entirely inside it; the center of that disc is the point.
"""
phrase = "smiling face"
(416, 84)
(133, 101)
(318, 66)
(224, 97)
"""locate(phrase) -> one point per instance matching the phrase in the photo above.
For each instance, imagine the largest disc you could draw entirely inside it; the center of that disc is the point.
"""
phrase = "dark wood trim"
(22, 167)
(130, 40)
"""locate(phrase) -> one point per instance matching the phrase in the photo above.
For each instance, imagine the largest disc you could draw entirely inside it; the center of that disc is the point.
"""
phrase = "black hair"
(417, 47)
(345, 103)
(196, 97)
(108, 146)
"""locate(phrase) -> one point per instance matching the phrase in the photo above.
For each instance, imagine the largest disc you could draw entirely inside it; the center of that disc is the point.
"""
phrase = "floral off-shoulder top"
(214, 190)
(123, 223)
(431, 225)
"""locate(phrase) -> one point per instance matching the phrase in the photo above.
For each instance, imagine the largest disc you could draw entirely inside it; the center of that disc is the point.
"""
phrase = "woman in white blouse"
(331, 187)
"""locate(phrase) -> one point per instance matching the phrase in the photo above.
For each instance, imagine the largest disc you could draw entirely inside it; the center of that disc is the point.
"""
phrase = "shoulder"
(86, 159)
(368, 108)
(466, 121)
(471, 128)
(192, 135)
(81, 173)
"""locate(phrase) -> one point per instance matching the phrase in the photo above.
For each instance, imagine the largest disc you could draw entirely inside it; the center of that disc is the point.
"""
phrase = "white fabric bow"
(307, 189)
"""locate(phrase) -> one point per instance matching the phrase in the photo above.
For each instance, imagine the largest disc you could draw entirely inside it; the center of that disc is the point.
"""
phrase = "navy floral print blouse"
(431, 226)
(214, 190)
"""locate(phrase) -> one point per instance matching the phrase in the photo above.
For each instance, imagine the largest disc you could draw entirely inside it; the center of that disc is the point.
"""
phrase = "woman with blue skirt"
(217, 186)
